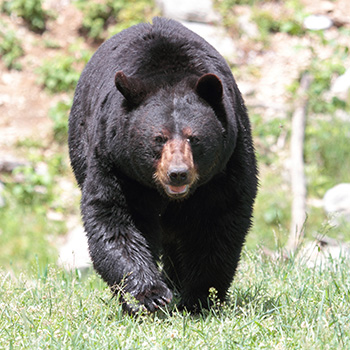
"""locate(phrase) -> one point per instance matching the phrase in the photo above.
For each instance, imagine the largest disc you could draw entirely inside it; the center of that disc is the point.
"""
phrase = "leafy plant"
(59, 74)
(133, 12)
(228, 4)
(272, 210)
(268, 22)
(30, 10)
(323, 71)
(327, 153)
(34, 186)
(99, 15)
(10, 48)
(26, 236)
(59, 115)
(288, 19)
(267, 134)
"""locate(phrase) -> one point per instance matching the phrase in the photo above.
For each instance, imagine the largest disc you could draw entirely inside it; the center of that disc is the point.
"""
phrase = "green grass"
(27, 237)
(272, 305)
(31, 192)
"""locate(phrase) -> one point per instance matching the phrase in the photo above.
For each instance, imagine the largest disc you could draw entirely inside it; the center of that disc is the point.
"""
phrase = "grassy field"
(271, 305)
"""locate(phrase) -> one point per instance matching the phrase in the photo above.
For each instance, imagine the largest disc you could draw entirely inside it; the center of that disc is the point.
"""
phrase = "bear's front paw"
(151, 298)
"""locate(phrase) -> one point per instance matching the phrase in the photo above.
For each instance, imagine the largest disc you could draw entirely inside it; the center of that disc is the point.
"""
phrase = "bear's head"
(176, 134)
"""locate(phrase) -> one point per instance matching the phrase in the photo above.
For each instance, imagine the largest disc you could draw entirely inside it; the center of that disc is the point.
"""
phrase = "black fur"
(116, 135)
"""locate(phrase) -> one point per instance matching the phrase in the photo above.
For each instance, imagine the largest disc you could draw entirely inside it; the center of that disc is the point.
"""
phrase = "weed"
(120, 14)
(59, 74)
(287, 20)
(133, 13)
(326, 154)
(268, 23)
(10, 48)
(323, 71)
(33, 186)
(59, 115)
(30, 10)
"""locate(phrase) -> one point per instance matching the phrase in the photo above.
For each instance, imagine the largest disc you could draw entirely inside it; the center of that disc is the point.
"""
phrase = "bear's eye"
(193, 140)
(160, 139)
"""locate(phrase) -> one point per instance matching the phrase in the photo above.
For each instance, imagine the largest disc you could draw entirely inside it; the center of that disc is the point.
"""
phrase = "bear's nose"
(178, 176)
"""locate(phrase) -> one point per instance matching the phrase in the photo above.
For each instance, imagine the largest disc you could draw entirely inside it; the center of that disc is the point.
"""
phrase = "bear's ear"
(209, 87)
(131, 88)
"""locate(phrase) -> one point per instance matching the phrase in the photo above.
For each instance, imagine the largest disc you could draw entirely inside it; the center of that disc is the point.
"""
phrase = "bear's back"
(160, 49)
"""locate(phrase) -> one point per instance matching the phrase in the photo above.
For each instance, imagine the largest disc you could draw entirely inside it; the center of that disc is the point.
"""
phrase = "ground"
(24, 104)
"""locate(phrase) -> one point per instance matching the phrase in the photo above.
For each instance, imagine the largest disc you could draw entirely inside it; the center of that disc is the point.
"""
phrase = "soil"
(24, 103)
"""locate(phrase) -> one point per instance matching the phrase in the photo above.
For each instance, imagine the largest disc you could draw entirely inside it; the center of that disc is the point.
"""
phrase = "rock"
(341, 86)
(74, 253)
(317, 22)
(336, 203)
(8, 164)
(246, 89)
(199, 18)
(189, 10)
(217, 37)
(247, 26)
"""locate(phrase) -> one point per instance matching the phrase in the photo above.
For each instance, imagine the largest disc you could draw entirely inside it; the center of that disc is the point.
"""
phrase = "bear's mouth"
(177, 191)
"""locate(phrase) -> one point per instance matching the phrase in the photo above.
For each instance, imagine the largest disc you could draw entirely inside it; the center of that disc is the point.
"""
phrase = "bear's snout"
(178, 176)
(175, 171)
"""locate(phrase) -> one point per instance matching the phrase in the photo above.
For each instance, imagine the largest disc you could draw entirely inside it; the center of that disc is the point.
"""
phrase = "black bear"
(160, 144)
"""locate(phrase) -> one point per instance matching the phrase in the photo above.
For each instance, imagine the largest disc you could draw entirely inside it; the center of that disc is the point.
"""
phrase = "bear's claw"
(151, 299)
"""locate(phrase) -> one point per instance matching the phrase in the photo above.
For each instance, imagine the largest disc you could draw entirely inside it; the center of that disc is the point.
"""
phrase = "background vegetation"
(272, 304)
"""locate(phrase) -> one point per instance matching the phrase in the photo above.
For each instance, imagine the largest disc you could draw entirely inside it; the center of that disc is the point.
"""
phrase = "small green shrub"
(10, 48)
(272, 210)
(98, 15)
(323, 71)
(119, 14)
(327, 153)
(61, 73)
(30, 10)
(132, 13)
(228, 4)
(35, 186)
(266, 133)
(27, 233)
(59, 115)
(268, 23)
(26, 236)
(287, 20)
(58, 74)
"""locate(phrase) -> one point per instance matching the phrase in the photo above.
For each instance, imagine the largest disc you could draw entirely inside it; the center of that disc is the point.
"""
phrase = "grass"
(272, 305)
(34, 239)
